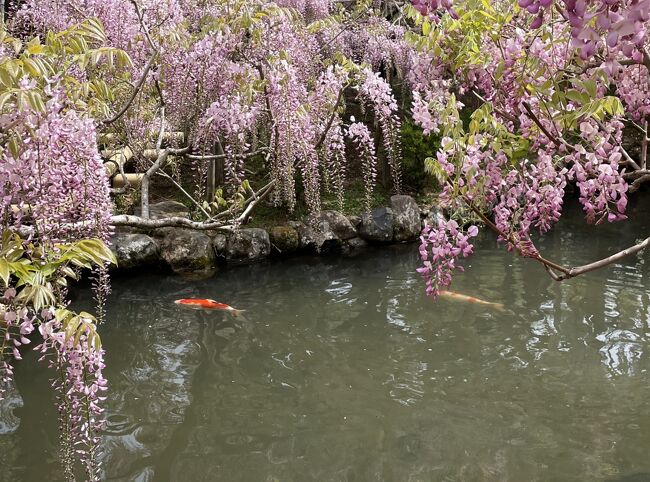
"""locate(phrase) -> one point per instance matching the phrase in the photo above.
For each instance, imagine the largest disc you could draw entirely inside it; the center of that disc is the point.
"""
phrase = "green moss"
(284, 238)
(265, 216)
(355, 198)
(416, 147)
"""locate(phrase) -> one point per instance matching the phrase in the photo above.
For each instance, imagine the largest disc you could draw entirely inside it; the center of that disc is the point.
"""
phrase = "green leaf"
(591, 87)
(62, 314)
(7, 78)
(426, 27)
(98, 250)
(36, 101)
(576, 96)
(85, 314)
(4, 271)
(71, 327)
(4, 97)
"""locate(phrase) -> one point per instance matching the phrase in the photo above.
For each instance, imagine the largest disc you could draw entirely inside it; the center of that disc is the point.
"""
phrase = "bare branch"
(644, 146)
(573, 272)
(176, 221)
(550, 266)
(323, 135)
(145, 29)
(500, 112)
(127, 184)
(638, 181)
(345, 26)
(265, 191)
(646, 60)
(535, 119)
(144, 186)
(187, 195)
(631, 176)
(547, 263)
(210, 157)
(134, 94)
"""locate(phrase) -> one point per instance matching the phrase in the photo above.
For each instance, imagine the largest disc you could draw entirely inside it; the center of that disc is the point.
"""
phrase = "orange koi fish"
(470, 299)
(206, 304)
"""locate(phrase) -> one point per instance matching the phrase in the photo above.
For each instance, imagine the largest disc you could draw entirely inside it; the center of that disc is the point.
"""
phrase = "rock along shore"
(187, 251)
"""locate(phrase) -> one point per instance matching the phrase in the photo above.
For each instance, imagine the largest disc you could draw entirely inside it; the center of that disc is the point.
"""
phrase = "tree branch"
(547, 263)
(536, 120)
(265, 191)
(187, 194)
(500, 112)
(644, 146)
(176, 221)
(210, 157)
(631, 176)
(550, 266)
(134, 94)
(127, 184)
(573, 272)
(638, 181)
(323, 135)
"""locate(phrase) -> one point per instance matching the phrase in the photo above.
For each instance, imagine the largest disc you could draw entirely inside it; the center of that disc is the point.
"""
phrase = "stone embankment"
(187, 251)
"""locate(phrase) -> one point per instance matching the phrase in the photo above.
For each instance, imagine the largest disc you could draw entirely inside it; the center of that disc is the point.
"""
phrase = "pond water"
(343, 370)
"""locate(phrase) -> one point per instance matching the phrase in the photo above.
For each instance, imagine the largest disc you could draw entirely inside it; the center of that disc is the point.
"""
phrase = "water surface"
(343, 370)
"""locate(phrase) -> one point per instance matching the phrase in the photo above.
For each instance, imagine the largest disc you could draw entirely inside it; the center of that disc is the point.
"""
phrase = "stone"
(284, 239)
(377, 225)
(133, 250)
(356, 243)
(165, 209)
(355, 221)
(434, 216)
(338, 223)
(318, 238)
(407, 223)
(249, 244)
(186, 251)
(219, 243)
(10, 401)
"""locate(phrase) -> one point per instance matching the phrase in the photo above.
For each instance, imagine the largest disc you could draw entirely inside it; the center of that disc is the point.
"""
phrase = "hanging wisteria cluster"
(55, 210)
(555, 95)
(79, 383)
(365, 147)
(264, 82)
(269, 87)
(256, 78)
(56, 182)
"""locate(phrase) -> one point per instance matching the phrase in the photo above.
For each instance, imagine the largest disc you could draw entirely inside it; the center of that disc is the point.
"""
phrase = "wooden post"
(382, 156)
(116, 160)
(220, 167)
(134, 179)
(209, 194)
(215, 172)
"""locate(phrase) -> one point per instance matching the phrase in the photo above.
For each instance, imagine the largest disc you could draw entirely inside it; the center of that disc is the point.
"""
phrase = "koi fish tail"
(496, 306)
(236, 312)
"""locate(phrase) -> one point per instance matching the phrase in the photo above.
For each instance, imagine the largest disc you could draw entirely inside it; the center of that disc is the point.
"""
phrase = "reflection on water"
(341, 369)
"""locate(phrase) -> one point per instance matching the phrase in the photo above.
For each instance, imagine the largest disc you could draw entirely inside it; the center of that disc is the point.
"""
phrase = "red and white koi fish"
(470, 299)
(206, 304)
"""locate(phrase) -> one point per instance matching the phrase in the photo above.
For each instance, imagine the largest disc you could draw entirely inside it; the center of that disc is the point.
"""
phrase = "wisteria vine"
(555, 94)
